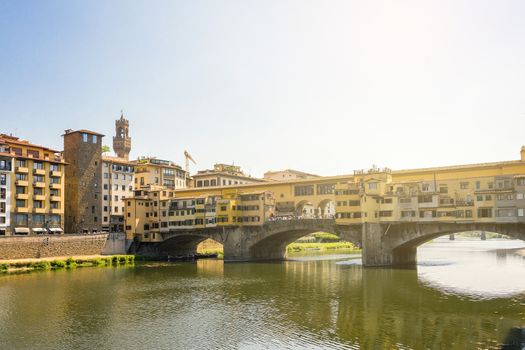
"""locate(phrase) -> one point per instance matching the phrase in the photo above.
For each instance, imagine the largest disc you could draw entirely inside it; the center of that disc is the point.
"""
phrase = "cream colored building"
(222, 175)
(118, 178)
(151, 171)
(288, 174)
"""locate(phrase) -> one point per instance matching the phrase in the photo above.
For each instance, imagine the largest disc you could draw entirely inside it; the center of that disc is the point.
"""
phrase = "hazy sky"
(320, 86)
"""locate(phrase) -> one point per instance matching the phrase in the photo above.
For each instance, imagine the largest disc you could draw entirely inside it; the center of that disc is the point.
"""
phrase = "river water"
(463, 295)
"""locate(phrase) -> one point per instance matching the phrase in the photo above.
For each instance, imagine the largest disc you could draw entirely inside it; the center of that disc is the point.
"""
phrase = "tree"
(106, 149)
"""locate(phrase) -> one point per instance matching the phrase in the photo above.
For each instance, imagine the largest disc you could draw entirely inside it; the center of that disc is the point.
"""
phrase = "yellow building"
(487, 192)
(151, 212)
(34, 184)
(158, 172)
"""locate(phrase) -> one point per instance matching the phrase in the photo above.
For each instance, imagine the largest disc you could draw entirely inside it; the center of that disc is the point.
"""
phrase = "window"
(506, 212)
(307, 190)
(463, 185)
(484, 212)
(478, 185)
(372, 186)
(84, 137)
(488, 197)
(519, 195)
(115, 176)
(94, 138)
(479, 198)
(520, 212)
(20, 203)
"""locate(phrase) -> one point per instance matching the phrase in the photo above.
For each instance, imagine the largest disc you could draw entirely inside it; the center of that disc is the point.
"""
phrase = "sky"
(325, 87)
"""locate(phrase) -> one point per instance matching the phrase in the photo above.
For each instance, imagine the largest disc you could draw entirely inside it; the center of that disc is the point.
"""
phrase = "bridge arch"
(272, 243)
(182, 244)
(397, 244)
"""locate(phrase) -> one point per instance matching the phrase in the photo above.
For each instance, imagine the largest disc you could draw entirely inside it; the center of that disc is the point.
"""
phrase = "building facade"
(150, 212)
(31, 188)
(222, 175)
(288, 174)
(158, 172)
(83, 153)
(117, 183)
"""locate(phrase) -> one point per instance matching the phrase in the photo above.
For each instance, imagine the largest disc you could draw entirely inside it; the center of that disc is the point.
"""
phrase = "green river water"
(463, 295)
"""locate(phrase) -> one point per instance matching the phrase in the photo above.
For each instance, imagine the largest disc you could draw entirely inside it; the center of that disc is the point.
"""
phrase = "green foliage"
(4, 267)
(40, 265)
(297, 247)
(58, 264)
(71, 263)
(106, 149)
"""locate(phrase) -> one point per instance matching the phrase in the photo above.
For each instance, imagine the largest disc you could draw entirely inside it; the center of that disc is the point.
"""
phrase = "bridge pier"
(378, 252)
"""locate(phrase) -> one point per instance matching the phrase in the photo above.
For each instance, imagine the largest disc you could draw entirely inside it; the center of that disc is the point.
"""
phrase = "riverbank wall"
(26, 247)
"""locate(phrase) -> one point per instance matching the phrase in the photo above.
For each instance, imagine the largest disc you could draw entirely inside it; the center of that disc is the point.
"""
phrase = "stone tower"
(122, 141)
(83, 181)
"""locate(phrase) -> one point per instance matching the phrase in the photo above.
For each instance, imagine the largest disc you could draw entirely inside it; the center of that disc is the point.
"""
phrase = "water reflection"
(299, 304)
(477, 269)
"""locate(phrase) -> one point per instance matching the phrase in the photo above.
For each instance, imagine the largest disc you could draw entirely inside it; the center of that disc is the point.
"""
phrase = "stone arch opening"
(273, 246)
(406, 252)
(305, 209)
(326, 209)
(187, 245)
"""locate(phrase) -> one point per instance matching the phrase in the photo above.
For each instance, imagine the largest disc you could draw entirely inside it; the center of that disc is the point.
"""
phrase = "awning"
(23, 230)
(39, 230)
(56, 229)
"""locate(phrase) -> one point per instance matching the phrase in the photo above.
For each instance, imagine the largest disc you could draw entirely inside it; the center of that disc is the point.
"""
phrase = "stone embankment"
(29, 247)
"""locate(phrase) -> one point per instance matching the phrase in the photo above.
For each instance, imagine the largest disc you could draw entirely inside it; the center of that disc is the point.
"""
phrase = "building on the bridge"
(376, 197)
(288, 174)
(150, 171)
(31, 188)
(151, 212)
(222, 175)
(117, 183)
(83, 153)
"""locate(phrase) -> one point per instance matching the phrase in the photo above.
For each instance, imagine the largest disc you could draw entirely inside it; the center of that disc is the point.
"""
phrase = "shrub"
(58, 264)
(40, 265)
(71, 263)
(4, 267)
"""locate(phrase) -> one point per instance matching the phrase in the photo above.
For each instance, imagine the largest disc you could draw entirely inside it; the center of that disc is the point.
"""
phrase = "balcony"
(22, 183)
(464, 203)
(39, 197)
(39, 171)
(22, 169)
(56, 211)
(55, 198)
(22, 210)
(55, 186)
(22, 196)
(39, 210)
(39, 184)
(55, 173)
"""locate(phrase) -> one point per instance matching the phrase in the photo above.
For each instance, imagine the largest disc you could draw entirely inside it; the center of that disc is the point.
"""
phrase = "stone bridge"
(383, 244)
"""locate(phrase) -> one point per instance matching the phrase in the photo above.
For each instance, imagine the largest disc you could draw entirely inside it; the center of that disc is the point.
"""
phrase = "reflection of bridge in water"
(383, 244)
